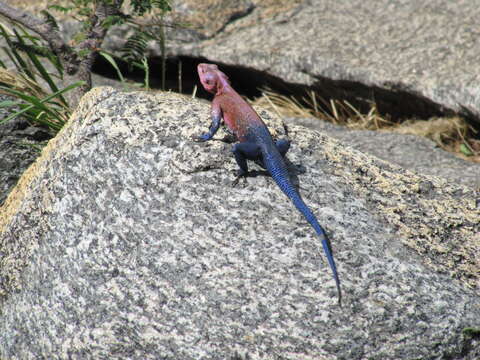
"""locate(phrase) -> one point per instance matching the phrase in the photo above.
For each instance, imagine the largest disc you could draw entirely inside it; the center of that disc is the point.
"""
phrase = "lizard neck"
(223, 85)
(223, 89)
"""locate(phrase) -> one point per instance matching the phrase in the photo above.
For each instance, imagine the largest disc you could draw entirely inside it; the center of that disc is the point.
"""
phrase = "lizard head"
(212, 79)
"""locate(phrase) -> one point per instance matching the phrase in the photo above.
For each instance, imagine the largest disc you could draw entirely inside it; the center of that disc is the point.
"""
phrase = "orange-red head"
(212, 79)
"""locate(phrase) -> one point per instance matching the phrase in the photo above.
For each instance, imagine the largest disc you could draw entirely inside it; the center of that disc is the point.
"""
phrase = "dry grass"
(52, 113)
(21, 83)
(335, 111)
(453, 134)
(441, 130)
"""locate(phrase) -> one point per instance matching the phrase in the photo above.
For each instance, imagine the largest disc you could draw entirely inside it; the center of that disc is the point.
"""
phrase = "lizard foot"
(240, 175)
(201, 138)
(229, 139)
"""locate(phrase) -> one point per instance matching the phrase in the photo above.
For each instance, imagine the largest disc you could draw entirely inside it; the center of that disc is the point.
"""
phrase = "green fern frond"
(136, 46)
(61, 8)
(162, 4)
(50, 20)
(141, 7)
(33, 49)
(117, 19)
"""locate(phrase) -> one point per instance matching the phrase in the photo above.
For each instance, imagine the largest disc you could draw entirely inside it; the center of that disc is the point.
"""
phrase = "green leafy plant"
(471, 332)
(47, 96)
(34, 102)
(134, 52)
(466, 150)
(136, 46)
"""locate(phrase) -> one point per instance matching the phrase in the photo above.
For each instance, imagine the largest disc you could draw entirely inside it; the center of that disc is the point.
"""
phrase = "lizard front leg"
(216, 121)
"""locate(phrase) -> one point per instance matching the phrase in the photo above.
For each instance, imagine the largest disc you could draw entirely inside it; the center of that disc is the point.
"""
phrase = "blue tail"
(280, 174)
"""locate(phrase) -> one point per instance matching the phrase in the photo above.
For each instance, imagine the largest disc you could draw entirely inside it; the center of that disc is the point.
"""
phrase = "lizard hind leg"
(283, 145)
(243, 152)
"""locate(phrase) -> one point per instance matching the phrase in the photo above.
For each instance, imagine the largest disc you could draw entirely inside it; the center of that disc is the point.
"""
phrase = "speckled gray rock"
(19, 143)
(125, 239)
(17, 138)
(409, 151)
(412, 57)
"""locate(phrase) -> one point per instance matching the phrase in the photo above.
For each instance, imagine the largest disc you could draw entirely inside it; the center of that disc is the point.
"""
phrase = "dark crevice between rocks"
(236, 16)
(393, 102)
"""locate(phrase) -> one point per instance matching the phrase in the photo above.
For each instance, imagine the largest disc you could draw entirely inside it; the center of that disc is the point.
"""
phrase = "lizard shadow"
(294, 170)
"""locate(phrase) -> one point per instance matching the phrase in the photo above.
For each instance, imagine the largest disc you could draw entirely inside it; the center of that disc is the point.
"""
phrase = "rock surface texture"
(408, 151)
(410, 57)
(125, 239)
(17, 139)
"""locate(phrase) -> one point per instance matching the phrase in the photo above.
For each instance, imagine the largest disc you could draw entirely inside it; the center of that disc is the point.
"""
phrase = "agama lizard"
(255, 143)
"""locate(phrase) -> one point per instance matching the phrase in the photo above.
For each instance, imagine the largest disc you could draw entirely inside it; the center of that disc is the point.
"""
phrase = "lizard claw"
(240, 175)
(236, 181)
(229, 138)
(201, 138)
